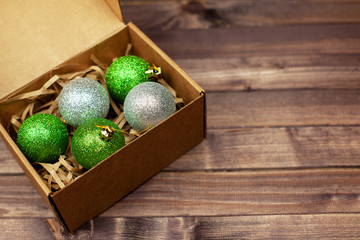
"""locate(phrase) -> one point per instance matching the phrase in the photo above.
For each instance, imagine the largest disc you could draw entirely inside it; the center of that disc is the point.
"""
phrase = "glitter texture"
(88, 145)
(83, 99)
(148, 104)
(43, 138)
(125, 73)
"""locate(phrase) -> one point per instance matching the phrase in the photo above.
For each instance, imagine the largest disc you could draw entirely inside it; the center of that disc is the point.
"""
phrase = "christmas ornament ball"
(125, 73)
(43, 138)
(147, 104)
(89, 144)
(83, 99)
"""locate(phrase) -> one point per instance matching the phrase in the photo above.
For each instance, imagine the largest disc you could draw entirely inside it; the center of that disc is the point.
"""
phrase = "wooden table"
(282, 154)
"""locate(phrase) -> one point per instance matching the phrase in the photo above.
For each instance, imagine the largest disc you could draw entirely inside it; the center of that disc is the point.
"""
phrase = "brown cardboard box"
(39, 37)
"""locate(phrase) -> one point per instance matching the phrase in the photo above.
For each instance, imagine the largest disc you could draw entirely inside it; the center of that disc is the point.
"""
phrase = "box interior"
(39, 35)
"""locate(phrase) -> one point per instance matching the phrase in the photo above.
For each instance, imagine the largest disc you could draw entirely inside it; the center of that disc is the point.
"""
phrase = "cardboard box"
(54, 33)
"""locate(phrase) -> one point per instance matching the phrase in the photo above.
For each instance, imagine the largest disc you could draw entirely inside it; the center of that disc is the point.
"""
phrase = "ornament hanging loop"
(106, 132)
(153, 72)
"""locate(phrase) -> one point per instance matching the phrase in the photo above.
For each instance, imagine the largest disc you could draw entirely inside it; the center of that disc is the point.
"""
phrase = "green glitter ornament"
(125, 73)
(95, 140)
(43, 138)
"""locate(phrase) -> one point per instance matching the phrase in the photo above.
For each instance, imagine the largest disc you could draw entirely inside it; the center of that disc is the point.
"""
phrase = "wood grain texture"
(217, 193)
(18, 198)
(244, 192)
(7, 162)
(322, 40)
(243, 73)
(283, 108)
(329, 226)
(167, 15)
(262, 148)
(25, 228)
(324, 226)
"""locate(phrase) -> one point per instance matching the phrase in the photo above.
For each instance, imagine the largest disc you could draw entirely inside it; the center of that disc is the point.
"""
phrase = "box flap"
(39, 35)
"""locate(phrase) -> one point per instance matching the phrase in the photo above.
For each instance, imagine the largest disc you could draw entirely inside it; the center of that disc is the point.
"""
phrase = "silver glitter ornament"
(83, 99)
(147, 104)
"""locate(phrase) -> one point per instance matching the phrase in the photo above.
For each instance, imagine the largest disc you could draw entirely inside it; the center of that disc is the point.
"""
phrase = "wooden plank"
(283, 108)
(212, 194)
(335, 226)
(24, 228)
(262, 148)
(324, 226)
(244, 192)
(330, 71)
(167, 15)
(259, 41)
(18, 198)
(329, 226)
(7, 162)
